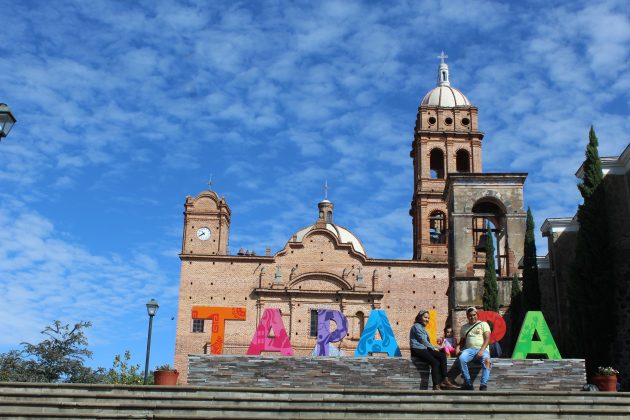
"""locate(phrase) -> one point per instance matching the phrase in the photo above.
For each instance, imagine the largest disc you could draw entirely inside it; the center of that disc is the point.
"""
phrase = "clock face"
(203, 233)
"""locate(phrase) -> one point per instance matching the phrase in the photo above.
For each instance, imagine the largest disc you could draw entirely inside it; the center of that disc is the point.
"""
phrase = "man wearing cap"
(475, 338)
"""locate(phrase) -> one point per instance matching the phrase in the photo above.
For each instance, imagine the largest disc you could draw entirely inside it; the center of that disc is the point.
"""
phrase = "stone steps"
(144, 402)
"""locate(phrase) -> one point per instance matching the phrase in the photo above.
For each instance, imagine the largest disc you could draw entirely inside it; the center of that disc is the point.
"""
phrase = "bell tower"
(206, 225)
(446, 140)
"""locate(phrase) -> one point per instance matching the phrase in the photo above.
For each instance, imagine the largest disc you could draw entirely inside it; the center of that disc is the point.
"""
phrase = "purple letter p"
(324, 336)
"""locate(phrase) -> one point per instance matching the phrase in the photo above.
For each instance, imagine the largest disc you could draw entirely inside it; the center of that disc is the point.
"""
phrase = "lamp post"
(152, 307)
(6, 120)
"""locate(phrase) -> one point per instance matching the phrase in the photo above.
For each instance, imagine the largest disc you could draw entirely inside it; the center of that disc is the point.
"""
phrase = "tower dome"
(444, 95)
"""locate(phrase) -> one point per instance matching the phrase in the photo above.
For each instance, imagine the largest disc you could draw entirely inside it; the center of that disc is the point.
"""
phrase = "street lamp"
(6, 120)
(152, 307)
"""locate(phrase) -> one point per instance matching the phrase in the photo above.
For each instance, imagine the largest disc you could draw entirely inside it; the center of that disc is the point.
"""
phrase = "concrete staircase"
(73, 401)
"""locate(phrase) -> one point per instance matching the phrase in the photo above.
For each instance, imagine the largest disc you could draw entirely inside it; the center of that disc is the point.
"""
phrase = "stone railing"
(374, 373)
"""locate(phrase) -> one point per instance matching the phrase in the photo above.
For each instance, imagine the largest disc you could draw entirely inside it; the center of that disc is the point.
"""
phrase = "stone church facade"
(325, 266)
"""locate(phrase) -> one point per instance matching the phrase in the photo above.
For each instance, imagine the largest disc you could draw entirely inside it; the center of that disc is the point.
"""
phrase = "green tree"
(122, 372)
(12, 367)
(531, 289)
(58, 358)
(591, 285)
(516, 310)
(490, 288)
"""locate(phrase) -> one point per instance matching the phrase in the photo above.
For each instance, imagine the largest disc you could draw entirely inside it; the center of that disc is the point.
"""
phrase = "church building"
(325, 266)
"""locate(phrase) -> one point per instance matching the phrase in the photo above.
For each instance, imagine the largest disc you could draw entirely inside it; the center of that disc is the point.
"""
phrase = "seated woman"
(448, 343)
(422, 348)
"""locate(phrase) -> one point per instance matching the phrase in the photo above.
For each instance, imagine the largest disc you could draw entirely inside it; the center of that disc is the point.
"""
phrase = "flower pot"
(605, 383)
(165, 377)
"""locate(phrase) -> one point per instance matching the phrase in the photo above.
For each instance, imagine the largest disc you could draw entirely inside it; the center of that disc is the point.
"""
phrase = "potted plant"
(606, 379)
(165, 375)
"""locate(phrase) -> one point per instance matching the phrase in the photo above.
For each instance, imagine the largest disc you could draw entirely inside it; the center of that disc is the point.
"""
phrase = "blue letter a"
(367, 344)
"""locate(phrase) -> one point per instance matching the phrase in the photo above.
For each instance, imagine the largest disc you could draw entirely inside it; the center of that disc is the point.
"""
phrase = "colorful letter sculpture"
(534, 324)
(324, 336)
(432, 326)
(497, 320)
(525, 345)
(368, 344)
(218, 316)
(271, 319)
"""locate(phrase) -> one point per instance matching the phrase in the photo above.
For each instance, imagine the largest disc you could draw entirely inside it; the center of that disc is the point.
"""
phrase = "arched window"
(436, 163)
(462, 161)
(490, 213)
(329, 217)
(313, 327)
(360, 321)
(437, 227)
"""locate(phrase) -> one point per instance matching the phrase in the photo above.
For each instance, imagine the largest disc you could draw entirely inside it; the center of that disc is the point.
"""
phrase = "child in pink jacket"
(448, 343)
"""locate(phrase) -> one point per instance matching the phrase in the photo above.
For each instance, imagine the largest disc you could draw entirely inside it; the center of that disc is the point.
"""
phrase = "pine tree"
(516, 310)
(490, 288)
(531, 289)
(591, 287)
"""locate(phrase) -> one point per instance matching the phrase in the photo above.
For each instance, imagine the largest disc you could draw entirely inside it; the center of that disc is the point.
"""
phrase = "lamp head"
(152, 307)
(6, 120)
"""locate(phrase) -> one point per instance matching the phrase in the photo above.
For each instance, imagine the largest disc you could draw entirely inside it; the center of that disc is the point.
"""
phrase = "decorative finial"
(442, 79)
(210, 183)
(442, 56)
(326, 189)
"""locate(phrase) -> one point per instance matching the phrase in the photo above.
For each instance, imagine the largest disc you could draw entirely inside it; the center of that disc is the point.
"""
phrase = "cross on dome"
(210, 183)
(326, 190)
(442, 79)
(444, 94)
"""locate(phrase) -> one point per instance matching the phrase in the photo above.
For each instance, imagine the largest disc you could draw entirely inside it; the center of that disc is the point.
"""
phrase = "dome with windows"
(444, 94)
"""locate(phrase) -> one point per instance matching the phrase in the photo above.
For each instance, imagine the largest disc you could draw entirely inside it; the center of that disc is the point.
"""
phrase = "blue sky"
(124, 108)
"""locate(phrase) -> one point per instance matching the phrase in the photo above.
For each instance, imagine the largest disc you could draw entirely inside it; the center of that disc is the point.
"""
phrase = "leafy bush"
(122, 372)
(165, 366)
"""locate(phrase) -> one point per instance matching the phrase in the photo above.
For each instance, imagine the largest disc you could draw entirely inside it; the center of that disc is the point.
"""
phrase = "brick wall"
(317, 273)
(618, 210)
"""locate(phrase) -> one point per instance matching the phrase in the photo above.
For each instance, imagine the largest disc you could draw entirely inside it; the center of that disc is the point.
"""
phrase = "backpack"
(495, 350)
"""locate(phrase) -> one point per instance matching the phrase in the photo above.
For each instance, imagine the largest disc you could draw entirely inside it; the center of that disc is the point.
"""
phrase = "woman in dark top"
(422, 348)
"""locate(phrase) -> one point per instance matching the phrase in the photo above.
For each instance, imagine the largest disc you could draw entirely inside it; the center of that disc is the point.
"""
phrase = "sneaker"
(483, 387)
(467, 387)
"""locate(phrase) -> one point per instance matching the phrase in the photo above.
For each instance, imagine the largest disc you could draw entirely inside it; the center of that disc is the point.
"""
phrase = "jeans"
(469, 355)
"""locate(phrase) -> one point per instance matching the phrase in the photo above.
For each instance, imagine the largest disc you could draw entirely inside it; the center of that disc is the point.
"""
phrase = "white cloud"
(116, 126)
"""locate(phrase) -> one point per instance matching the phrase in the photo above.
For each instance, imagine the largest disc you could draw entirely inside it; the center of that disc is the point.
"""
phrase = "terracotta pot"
(165, 377)
(605, 383)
